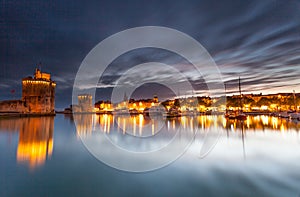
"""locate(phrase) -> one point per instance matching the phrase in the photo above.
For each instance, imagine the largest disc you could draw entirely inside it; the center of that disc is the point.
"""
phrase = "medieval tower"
(39, 93)
(85, 102)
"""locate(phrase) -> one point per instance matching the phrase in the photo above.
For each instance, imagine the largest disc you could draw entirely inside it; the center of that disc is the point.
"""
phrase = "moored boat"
(239, 115)
(294, 115)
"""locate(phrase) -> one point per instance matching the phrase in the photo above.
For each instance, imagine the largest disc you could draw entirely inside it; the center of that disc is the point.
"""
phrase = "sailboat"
(239, 115)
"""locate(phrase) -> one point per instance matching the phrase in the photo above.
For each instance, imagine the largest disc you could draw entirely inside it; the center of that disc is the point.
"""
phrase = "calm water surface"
(44, 156)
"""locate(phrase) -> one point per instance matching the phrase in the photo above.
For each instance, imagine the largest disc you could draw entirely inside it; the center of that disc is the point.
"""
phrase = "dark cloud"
(257, 40)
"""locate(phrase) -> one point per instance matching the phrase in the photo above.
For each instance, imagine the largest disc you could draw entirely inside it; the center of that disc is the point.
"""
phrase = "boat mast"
(240, 90)
(226, 110)
(295, 104)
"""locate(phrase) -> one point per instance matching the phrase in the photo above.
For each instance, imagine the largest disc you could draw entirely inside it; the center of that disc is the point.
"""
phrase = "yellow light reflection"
(183, 121)
(248, 122)
(152, 128)
(224, 122)
(124, 126)
(274, 122)
(35, 140)
(141, 121)
(84, 124)
(282, 128)
(134, 125)
(265, 120)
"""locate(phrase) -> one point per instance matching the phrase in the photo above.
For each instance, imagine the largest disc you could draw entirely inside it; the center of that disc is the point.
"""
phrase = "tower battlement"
(38, 95)
(39, 92)
(43, 76)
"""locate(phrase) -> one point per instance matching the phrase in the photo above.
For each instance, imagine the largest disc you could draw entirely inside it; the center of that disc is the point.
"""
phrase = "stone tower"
(39, 93)
(85, 102)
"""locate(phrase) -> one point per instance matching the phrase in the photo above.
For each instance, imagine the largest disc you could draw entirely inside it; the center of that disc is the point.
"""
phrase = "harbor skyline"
(150, 98)
(142, 93)
(255, 40)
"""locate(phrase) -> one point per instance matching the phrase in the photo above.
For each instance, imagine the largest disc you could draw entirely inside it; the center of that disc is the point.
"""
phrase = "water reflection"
(271, 148)
(140, 125)
(262, 123)
(107, 134)
(84, 124)
(35, 143)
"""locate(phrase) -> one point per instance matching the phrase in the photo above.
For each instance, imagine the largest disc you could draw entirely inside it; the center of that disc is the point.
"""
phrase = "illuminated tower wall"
(85, 102)
(39, 93)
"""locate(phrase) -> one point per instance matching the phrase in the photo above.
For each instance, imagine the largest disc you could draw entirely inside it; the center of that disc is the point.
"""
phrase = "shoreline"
(18, 115)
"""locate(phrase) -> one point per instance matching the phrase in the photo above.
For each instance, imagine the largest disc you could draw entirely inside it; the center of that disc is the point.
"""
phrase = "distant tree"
(289, 101)
(263, 101)
(201, 101)
(206, 101)
(297, 101)
(177, 103)
(275, 100)
(233, 102)
(248, 101)
(165, 103)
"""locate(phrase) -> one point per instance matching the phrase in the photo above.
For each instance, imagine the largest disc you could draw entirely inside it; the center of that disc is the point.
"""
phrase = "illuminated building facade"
(39, 93)
(104, 107)
(137, 106)
(38, 96)
(85, 103)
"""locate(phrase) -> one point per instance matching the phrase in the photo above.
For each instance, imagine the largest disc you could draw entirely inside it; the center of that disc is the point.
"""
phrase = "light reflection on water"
(140, 124)
(258, 156)
(35, 143)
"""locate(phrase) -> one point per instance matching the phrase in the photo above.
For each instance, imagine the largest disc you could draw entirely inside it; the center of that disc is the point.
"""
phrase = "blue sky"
(256, 40)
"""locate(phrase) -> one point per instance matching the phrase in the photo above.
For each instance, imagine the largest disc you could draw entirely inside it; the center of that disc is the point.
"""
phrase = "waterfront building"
(136, 106)
(39, 93)
(85, 103)
(38, 96)
(104, 107)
